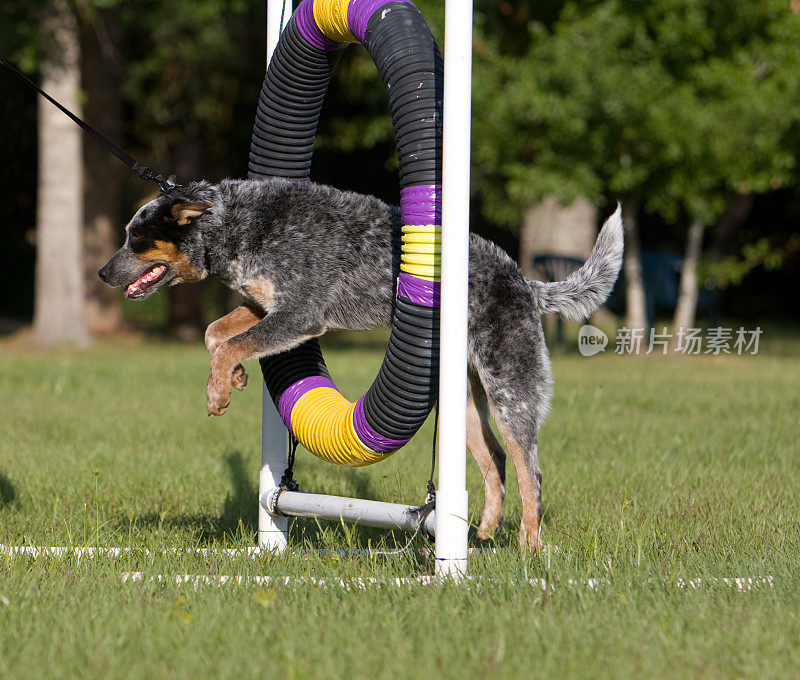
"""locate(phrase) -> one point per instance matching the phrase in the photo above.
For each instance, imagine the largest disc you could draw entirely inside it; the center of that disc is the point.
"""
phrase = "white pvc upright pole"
(451, 496)
(272, 529)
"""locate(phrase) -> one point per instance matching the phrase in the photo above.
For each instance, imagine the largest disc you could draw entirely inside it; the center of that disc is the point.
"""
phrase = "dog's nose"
(103, 273)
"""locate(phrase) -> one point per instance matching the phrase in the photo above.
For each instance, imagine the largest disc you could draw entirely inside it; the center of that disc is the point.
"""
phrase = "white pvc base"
(273, 531)
(350, 510)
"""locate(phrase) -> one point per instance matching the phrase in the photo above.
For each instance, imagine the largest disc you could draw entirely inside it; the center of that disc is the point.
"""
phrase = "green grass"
(654, 469)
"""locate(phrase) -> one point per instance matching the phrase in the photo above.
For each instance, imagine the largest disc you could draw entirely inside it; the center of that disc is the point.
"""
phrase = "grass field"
(655, 470)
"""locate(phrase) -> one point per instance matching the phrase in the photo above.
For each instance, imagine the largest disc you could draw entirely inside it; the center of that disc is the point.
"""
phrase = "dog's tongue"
(142, 283)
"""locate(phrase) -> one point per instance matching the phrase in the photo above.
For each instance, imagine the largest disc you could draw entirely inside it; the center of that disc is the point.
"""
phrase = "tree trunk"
(103, 189)
(635, 302)
(59, 305)
(686, 310)
(185, 320)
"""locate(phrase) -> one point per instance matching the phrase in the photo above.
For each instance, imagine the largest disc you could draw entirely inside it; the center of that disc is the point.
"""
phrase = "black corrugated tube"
(410, 66)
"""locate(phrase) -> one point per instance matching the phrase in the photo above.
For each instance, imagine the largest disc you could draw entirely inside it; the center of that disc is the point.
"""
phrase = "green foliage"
(763, 252)
(193, 75)
(20, 34)
(674, 102)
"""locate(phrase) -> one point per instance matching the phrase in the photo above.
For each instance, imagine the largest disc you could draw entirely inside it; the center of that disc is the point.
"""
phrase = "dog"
(308, 258)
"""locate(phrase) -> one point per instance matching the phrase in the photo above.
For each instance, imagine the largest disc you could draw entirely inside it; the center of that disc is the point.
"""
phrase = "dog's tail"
(582, 292)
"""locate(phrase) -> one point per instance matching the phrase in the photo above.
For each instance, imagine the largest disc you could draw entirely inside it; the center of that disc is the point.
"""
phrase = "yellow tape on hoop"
(331, 18)
(322, 419)
(421, 252)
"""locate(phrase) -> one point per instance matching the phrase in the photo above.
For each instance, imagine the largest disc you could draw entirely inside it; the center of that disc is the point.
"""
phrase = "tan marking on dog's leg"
(489, 456)
(227, 357)
(226, 327)
(261, 292)
(233, 323)
(529, 490)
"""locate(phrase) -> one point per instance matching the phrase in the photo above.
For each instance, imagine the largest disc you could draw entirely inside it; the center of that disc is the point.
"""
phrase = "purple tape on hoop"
(419, 291)
(304, 18)
(421, 204)
(359, 12)
(296, 390)
(377, 442)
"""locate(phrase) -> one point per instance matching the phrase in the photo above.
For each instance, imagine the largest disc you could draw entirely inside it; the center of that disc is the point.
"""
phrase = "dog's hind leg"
(511, 361)
(490, 457)
(518, 400)
(226, 327)
(529, 480)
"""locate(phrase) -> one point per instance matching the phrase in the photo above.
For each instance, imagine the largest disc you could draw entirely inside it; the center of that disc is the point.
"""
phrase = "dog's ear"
(184, 212)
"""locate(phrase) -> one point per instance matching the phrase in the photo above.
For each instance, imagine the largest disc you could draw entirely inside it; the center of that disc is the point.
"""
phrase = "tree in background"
(668, 104)
(60, 40)
(102, 70)
(682, 108)
(59, 311)
(192, 77)
(189, 78)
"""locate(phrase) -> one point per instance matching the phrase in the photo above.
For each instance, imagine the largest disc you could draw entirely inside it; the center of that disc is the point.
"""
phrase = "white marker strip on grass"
(101, 551)
(254, 551)
(740, 584)
(357, 583)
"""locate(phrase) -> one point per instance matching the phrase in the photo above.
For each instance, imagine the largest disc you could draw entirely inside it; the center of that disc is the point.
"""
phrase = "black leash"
(431, 486)
(288, 482)
(139, 169)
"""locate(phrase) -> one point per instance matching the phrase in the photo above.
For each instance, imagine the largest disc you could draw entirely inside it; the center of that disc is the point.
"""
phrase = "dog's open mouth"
(145, 282)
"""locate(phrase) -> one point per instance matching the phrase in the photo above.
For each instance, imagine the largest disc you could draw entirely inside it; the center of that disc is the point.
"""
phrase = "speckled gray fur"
(333, 258)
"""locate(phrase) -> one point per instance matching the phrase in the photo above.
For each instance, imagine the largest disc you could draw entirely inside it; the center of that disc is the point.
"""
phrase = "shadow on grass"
(8, 494)
(239, 515)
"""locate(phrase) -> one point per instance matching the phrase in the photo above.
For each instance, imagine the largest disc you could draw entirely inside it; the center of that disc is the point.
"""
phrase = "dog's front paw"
(218, 397)
(239, 378)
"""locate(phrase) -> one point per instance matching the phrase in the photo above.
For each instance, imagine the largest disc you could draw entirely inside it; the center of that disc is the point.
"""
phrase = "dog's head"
(163, 245)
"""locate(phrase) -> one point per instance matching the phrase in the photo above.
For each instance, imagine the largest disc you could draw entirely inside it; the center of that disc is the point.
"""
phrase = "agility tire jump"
(410, 66)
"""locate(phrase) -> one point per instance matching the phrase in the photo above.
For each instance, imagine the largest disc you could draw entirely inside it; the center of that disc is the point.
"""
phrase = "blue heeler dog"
(308, 259)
